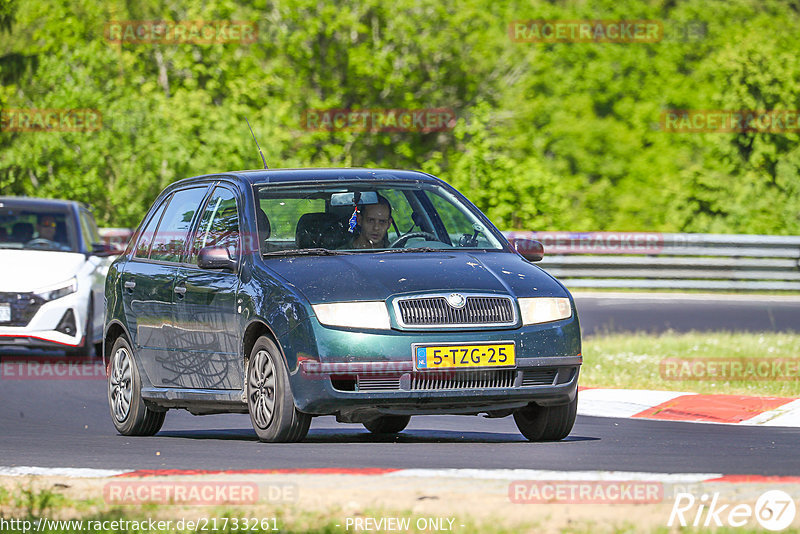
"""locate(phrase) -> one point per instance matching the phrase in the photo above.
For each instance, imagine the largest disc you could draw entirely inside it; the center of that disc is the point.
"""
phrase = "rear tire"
(387, 424)
(130, 415)
(546, 423)
(269, 397)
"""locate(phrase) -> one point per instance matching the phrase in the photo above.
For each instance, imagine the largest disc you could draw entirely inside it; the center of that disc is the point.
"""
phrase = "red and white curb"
(474, 474)
(690, 407)
(69, 472)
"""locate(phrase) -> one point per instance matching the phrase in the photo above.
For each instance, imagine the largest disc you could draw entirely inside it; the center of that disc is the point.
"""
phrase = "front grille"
(449, 380)
(23, 307)
(464, 379)
(433, 311)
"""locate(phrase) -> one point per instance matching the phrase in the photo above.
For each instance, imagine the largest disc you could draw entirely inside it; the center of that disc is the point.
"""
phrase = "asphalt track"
(65, 423)
(654, 313)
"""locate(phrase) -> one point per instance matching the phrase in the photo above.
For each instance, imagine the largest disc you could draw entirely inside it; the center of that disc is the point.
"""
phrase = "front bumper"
(428, 392)
(41, 329)
(334, 371)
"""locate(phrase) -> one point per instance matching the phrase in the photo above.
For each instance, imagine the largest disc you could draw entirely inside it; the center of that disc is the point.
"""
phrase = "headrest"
(319, 230)
(22, 230)
(264, 228)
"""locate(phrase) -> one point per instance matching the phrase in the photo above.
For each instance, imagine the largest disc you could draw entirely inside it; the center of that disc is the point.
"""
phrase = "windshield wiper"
(413, 249)
(306, 252)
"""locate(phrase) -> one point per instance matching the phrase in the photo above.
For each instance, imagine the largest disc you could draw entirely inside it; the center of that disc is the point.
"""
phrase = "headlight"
(543, 310)
(354, 314)
(59, 290)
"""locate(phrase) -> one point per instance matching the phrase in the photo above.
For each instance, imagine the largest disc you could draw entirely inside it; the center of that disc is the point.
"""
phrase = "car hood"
(23, 271)
(364, 277)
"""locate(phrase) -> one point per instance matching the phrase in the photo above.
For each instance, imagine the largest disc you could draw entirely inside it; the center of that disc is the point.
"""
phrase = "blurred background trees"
(549, 137)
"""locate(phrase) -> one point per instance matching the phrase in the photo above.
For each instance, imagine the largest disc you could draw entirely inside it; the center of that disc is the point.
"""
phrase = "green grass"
(632, 361)
(289, 520)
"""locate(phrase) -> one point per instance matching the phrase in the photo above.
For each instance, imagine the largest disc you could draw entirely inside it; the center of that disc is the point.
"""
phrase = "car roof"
(273, 176)
(40, 203)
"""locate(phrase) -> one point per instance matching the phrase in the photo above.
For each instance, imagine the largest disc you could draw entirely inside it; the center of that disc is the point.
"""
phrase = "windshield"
(36, 229)
(378, 216)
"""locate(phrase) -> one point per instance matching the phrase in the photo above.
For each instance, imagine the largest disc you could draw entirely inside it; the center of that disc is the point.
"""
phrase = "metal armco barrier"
(646, 260)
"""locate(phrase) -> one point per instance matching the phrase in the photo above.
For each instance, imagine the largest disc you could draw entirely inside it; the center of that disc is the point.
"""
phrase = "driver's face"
(374, 220)
(47, 228)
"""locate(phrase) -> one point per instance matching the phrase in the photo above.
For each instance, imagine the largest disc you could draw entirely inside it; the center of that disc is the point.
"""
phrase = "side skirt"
(197, 401)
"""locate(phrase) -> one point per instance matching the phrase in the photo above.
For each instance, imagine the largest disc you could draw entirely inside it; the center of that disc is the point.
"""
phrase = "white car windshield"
(36, 229)
(384, 216)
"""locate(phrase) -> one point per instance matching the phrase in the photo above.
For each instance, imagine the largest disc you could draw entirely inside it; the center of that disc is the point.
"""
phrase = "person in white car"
(52, 275)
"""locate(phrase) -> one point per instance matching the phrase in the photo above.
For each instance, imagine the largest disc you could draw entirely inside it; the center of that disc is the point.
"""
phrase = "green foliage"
(36, 502)
(550, 135)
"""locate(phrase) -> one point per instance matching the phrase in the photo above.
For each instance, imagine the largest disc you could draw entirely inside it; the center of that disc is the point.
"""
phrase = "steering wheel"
(41, 242)
(403, 239)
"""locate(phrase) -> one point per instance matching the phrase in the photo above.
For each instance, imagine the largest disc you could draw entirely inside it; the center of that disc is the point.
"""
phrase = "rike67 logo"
(774, 510)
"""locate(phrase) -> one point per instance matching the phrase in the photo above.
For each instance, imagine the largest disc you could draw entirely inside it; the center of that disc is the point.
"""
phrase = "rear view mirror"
(348, 199)
(529, 249)
(215, 258)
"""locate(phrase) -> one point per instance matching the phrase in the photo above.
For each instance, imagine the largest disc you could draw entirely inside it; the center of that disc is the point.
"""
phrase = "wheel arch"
(254, 330)
(114, 330)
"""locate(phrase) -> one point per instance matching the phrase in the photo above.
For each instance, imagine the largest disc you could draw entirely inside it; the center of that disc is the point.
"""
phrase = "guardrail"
(644, 260)
(647, 260)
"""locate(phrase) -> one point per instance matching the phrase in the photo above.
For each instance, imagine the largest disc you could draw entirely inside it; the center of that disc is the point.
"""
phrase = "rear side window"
(219, 226)
(173, 231)
(146, 237)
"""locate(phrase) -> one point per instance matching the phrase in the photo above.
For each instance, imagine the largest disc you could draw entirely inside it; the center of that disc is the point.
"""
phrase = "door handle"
(180, 290)
(129, 285)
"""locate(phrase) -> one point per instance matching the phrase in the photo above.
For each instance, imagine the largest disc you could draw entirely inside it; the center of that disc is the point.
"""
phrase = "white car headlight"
(544, 309)
(354, 314)
(59, 290)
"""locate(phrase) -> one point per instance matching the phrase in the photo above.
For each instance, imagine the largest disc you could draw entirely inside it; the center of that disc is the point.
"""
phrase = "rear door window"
(173, 231)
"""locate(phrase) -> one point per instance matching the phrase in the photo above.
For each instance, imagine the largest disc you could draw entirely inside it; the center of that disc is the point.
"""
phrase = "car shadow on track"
(328, 435)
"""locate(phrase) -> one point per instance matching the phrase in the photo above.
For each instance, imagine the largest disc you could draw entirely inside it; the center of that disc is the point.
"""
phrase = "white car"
(52, 275)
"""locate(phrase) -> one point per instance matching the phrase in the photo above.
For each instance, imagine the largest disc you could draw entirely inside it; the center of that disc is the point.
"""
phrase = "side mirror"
(103, 250)
(529, 249)
(215, 258)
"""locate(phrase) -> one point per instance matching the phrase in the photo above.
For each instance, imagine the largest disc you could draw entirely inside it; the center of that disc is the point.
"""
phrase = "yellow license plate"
(458, 356)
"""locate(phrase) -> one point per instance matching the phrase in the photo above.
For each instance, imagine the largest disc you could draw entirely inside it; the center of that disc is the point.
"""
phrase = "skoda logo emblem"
(456, 300)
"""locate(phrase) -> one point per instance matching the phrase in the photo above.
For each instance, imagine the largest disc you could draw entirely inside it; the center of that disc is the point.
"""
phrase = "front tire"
(269, 397)
(130, 415)
(387, 424)
(546, 423)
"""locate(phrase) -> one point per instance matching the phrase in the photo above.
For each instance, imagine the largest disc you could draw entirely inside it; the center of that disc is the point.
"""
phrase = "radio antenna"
(256, 140)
